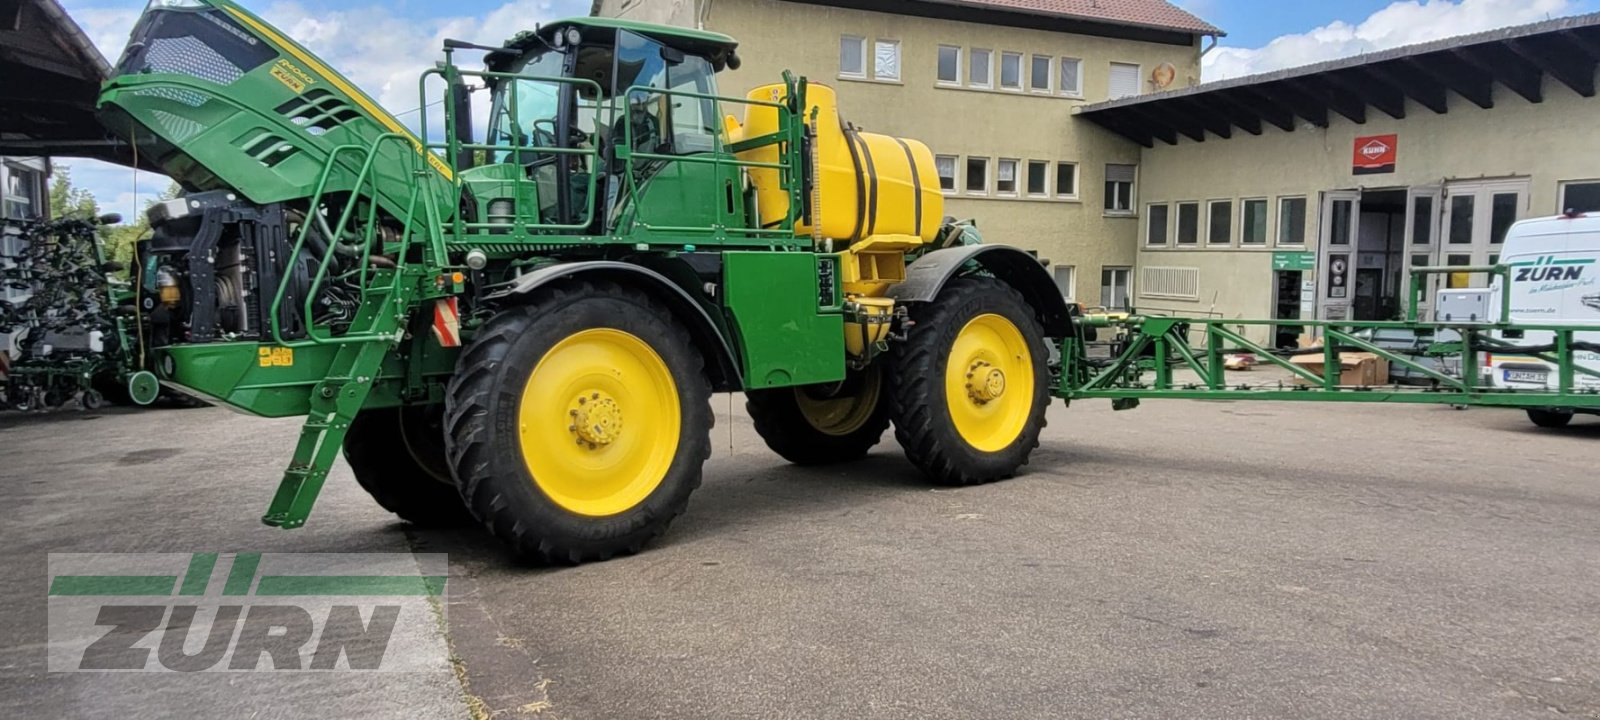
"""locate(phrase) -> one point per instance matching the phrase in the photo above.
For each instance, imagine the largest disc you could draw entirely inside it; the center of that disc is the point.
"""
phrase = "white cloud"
(381, 52)
(1402, 23)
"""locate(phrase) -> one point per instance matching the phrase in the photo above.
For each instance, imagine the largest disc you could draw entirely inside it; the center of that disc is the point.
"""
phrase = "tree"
(119, 239)
(67, 199)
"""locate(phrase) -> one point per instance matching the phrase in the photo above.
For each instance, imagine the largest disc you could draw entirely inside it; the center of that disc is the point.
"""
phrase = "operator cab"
(575, 104)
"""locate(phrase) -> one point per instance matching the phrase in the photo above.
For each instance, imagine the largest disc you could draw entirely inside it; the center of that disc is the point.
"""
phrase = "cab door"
(671, 125)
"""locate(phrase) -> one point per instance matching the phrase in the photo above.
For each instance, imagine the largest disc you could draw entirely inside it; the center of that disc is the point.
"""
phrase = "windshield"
(524, 111)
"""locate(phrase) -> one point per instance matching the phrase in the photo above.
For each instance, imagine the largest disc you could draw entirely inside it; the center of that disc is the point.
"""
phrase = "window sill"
(1118, 214)
(999, 91)
(1212, 248)
(1014, 198)
(870, 81)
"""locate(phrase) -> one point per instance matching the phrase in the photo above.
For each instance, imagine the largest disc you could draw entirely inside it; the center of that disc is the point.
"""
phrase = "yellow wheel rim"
(599, 422)
(845, 414)
(989, 383)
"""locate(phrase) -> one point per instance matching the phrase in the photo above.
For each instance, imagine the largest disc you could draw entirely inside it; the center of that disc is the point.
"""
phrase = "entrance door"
(1422, 244)
(1286, 306)
(1476, 217)
(1336, 252)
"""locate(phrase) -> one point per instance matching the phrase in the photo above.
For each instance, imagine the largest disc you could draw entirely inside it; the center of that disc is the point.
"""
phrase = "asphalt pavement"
(1185, 559)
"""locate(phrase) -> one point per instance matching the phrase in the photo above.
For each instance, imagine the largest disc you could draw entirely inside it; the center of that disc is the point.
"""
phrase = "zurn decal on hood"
(1549, 274)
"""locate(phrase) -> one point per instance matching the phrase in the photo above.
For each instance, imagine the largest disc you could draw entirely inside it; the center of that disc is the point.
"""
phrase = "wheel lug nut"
(582, 400)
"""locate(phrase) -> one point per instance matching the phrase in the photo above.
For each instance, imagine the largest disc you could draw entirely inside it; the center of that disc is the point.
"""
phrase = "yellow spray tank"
(868, 184)
(876, 197)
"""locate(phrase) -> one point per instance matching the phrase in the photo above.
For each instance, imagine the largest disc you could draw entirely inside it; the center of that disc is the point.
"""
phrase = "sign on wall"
(1288, 260)
(1375, 154)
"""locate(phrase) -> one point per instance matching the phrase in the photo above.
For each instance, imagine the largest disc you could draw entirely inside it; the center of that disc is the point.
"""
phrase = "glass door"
(1336, 253)
(1477, 216)
(1422, 243)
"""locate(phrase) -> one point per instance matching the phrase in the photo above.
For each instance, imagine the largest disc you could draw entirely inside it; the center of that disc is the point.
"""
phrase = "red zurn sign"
(1375, 154)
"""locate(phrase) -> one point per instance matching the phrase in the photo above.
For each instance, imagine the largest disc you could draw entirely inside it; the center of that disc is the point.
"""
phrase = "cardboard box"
(1355, 368)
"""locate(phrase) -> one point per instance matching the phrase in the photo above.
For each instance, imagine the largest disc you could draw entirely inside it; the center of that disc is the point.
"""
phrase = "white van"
(1555, 280)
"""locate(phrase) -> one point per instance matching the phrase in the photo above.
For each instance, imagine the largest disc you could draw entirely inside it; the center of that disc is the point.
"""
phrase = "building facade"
(1312, 192)
(991, 86)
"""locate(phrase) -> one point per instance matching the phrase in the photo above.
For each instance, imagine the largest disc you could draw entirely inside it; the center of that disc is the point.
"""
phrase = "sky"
(383, 46)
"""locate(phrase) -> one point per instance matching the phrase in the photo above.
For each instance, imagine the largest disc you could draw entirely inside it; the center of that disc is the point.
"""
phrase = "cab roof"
(712, 45)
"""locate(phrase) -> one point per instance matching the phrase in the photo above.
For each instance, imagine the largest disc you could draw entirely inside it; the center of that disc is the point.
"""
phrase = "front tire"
(821, 424)
(578, 424)
(1549, 418)
(971, 383)
(397, 456)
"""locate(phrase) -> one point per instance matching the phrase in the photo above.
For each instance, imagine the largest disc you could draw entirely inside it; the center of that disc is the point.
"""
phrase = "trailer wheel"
(971, 384)
(821, 424)
(1549, 418)
(578, 424)
(397, 456)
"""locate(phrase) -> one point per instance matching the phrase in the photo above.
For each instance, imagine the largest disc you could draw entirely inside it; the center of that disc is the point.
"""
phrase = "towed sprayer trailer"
(519, 319)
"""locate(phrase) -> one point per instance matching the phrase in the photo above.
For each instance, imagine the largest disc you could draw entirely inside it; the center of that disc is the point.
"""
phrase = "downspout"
(1214, 42)
(703, 13)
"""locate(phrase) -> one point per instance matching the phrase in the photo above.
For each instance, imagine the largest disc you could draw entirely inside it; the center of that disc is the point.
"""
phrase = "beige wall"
(1547, 143)
(804, 38)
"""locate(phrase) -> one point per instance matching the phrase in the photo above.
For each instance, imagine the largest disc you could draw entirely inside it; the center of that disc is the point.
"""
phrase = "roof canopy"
(1518, 58)
(52, 74)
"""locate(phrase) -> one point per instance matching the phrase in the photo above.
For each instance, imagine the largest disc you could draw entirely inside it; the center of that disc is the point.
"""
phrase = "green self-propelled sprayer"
(520, 318)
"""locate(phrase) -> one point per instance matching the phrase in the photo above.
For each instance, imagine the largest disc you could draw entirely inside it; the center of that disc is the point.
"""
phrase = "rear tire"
(1549, 418)
(971, 383)
(397, 456)
(822, 424)
(578, 424)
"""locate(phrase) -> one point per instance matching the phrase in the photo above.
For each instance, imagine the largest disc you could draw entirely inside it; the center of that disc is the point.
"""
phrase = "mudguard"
(1015, 267)
(722, 366)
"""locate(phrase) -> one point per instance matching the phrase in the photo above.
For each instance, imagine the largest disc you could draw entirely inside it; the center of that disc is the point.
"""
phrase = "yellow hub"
(985, 382)
(842, 414)
(570, 422)
(596, 419)
(989, 383)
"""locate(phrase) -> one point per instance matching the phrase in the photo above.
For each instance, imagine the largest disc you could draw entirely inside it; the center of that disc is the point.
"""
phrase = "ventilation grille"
(268, 148)
(177, 128)
(1178, 283)
(186, 97)
(318, 111)
(189, 56)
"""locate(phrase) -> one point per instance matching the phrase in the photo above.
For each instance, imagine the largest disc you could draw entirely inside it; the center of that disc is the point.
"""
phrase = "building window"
(1114, 287)
(1253, 222)
(21, 197)
(980, 70)
(1005, 177)
(1066, 281)
(1011, 71)
(1583, 197)
(1067, 180)
(1072, 77)
(1155, 232)
(1219, 229)
(1422, 220)
(886, 60)
(1039, 77)
(1188, 223)
(949, 65)
(947, 172)
(1292, 221)
(1502, 213)
(978, 175)
(1119, 189)
(1461, 209)
(1124, 80)
(1038, 178)
(853, 56)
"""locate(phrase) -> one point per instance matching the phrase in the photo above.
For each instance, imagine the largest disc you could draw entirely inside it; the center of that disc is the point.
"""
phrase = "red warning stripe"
(447, 322)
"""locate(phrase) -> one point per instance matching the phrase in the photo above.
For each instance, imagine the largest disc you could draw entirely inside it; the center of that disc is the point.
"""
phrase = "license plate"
(1525, 376)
